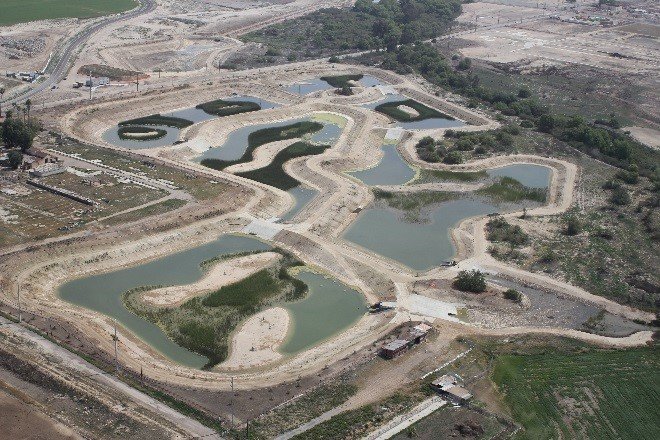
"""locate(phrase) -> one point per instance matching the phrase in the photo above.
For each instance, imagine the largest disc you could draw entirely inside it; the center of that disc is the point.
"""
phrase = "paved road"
(193, 427)
(59, 71)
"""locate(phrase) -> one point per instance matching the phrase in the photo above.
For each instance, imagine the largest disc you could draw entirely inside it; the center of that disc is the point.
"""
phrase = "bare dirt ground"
(256, 342)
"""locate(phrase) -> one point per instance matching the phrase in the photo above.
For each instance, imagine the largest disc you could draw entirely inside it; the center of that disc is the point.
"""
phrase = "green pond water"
(310, 316)
(329, 308)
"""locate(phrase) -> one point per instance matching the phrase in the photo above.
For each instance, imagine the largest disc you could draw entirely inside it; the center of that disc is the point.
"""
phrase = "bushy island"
(393, 109)
(140, 133)
(158, 119)
(265, 136)
(273, 174)
(339, 81)
(204, 323)
(220, 107)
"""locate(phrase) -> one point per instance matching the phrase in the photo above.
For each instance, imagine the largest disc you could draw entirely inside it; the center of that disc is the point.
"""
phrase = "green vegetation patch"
(204, 324)
(147, 211)
(412, 203)
(265, 136)
(339, 81)
(23, 11)
(302, 410)
(158, 119)
(357, 422)
(140, 133)
(392, 110)
(507, 189)
(113, 73)
(366, 25)
(499, 230)
(427, 176)
(594, 394)
(273, 174)
(220, 107)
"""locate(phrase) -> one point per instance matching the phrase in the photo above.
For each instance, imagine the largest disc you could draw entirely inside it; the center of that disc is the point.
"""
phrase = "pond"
(329, 308)
(532, 176)
(303, 196)
(426, 124)
(103, 292)
(308, 86)
(391, 170)
(237, 142)
(423, 245)
(420, 246)
(192, 114)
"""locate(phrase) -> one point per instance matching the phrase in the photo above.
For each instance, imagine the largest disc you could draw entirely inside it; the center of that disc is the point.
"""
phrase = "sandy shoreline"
(222, 274)
(255, 343)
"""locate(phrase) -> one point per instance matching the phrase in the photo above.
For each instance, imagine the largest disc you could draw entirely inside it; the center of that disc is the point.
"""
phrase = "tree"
(470, 281)
(28, 106)
(620, 196)
(513, 295)
(546, 123)
(464, 64)
(15, 159)
(453, 158)
(572, 225)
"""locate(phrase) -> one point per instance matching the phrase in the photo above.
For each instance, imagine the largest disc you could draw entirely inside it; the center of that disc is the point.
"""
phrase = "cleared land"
(21, 11)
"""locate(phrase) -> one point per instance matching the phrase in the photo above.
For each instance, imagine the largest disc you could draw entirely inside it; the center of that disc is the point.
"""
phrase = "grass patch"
(427, 176)
(302, 410)
(265, 136)
(113, 73)
(221, 107)
(507, 189)
(357, 422)
(499, 230)
(147, 211)
(273, 174)
(140, 133)
(204, 324)
(158, 119)
(595, 394)
(339, 81)
(392, 110)
(23, 11)
(412, 203)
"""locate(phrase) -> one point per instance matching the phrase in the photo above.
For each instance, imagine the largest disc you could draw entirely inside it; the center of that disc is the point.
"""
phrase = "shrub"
(453, 158)
(572, 225)
(470, 281)
(513, 295)
(620, 196)
(464, 144)
(547, 255)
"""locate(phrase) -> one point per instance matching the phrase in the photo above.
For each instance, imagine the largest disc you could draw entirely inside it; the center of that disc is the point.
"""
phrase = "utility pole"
(115, 338)
(247, 429)
(18, 293)
(90, 85)
(137, 82)
(231, 401)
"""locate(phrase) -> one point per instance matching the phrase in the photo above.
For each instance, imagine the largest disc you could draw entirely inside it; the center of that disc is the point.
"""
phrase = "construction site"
(190, 249)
